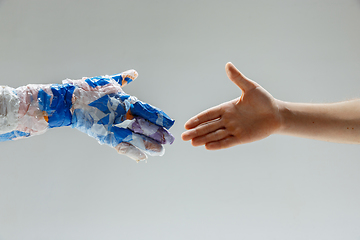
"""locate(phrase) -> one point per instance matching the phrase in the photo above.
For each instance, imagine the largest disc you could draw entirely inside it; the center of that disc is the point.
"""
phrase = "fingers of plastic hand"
(202, 129)
(126, 107)
(105, 84)
(145, 144)
(146, 128)
(207, 115)
(130, 151)
(107, 119)
(148, 145)
(152, 114)
(238, 78)
(113, 135)
(125, 78)
(90, 86)
(227, 142)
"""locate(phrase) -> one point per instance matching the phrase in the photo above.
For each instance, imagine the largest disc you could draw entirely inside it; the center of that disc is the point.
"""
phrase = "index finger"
(152, 114)
(205, 116)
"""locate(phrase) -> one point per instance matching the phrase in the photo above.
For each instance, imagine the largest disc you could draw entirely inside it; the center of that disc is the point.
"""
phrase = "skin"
(256, 114)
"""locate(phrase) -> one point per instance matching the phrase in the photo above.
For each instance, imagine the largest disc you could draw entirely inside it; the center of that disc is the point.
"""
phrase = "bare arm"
(334, 122)
(256, 114)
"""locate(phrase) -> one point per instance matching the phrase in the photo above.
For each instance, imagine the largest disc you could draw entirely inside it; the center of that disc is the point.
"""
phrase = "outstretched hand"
(105, 112)
(96, 106)
(251, 117)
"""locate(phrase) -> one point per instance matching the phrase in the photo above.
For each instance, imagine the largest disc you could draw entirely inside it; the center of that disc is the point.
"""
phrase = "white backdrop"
(64, 185)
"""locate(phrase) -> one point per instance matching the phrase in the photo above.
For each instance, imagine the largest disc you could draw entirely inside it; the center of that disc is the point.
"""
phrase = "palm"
(252, 116)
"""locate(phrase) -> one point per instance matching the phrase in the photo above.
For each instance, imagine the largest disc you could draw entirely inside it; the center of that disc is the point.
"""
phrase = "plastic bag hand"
(97, 106)
(104, 111)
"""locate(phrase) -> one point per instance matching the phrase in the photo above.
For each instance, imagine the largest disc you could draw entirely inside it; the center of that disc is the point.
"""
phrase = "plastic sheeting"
(96, 106)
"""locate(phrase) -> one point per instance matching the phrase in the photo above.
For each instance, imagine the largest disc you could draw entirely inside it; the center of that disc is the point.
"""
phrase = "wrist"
(283, 112)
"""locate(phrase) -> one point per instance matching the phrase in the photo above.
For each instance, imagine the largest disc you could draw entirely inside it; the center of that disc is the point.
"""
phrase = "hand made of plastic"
(97, 106)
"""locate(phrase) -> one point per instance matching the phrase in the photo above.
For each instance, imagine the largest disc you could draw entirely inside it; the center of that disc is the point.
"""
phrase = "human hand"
(97, 106)
(251, 117)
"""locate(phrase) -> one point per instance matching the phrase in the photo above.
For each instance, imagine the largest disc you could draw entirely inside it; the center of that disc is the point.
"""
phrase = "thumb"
(238, 78)
(125, 78)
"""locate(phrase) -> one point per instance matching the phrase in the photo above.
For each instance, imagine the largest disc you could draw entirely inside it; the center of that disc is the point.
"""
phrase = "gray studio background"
(64, 185)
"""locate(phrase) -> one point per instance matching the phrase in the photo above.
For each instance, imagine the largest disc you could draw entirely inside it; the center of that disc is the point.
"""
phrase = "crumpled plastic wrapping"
(96, 106)
(9, 108)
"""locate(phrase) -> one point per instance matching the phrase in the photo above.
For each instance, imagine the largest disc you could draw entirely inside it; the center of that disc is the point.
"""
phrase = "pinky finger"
(130, 151)
(221, 144)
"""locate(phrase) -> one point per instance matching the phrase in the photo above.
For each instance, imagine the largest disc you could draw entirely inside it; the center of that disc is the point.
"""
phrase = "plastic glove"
(97, 106)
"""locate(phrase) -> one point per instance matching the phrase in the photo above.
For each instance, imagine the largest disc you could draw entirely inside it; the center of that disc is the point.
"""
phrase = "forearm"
(333, 122)
(32, 109)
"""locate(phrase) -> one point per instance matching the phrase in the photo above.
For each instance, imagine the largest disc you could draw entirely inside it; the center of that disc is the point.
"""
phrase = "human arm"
(332, 122)
(256, 114)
